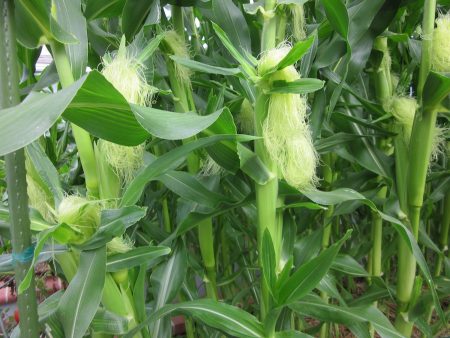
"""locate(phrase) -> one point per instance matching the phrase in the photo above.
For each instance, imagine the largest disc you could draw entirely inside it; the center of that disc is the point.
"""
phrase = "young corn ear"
(39, 197)
(124, 161)
(440, 56)
(245, 118)
(404, 109)
(119, 245)
(177, 46)
(81, 214)
(298, 21)
(287, 136)
(126, 74)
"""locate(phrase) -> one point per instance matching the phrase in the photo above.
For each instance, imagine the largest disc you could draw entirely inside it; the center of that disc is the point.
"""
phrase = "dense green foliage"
(271, 168)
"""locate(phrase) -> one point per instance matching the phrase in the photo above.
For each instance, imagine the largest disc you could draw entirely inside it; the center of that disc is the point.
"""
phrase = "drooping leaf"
(173, 126)
(313, 306)
(91, 103)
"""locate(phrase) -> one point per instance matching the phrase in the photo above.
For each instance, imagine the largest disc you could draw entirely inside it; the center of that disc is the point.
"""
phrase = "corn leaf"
(79, 303)
(307, 276)
(314, 306)
(168, 162)
(203, 67)
(135, 257)
(221, 316)
(91, 102)
(103, 8)
(173, 126)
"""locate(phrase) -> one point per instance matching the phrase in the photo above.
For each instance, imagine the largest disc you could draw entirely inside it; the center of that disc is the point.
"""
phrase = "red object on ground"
(16, 315)
(178, 325)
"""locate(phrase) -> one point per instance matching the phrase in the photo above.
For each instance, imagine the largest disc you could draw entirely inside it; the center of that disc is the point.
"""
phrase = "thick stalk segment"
(16, 177)
(419, 159)
(266, 194)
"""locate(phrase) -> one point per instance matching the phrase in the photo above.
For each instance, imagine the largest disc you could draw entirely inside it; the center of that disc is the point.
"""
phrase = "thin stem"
(327, 171)
(178, 20)
(16, 176)
(206, 240)
(82, 137)
(183, 92)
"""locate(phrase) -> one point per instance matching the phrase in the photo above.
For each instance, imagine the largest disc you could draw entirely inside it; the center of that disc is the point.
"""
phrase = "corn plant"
(271, 168)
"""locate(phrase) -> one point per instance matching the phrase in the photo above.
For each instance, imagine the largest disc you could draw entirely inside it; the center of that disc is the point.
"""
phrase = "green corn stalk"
(383, 91)
(419, 158)
(266, 194)
(328, 177)
(16, 176)
(184, 102)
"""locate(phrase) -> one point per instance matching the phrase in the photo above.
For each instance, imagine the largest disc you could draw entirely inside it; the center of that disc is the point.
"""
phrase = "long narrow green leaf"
(203, 67)
(306, 278)
(135, 257)
(80, 302)
(168, 162)
(315, 307)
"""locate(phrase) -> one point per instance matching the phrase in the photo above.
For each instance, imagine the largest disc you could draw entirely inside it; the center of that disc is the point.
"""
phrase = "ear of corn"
(286, 132)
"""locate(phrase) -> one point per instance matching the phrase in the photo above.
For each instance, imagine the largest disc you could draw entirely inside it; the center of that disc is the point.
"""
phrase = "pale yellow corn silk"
(119, 245)
(287, 136)
(178, 47)
(298, 21)
(124, 161)
(81, 214)
(127, 75)
(404, 109)
(440, 59)
(245, 118)
(439, 144)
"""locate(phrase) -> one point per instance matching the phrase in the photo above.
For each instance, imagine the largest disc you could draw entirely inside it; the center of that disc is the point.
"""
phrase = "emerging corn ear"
(38, 196)
(440, 56)
(176, 45)
(126, 74)
(298, 21)
(404, 109)
(82, 215)
(245, 118)
(287, 136)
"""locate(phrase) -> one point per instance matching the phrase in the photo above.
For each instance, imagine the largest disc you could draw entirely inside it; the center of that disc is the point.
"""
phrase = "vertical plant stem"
(183, 91)
(82, 137)
(443, 236)
(16, 177)
(419, 158)
(266, 194)
(327, 223)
